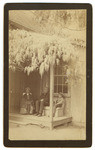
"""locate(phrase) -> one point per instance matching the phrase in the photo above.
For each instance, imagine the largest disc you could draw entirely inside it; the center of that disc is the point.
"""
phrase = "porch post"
(51, 95)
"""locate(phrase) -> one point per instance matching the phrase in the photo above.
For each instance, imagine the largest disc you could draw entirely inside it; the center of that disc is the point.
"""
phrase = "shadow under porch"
(18, 81)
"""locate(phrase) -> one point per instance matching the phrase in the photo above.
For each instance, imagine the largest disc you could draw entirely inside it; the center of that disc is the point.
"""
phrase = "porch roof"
(30, 50)
(27, 19)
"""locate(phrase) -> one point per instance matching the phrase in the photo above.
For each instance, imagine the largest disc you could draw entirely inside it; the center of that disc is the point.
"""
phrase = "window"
(61, 83)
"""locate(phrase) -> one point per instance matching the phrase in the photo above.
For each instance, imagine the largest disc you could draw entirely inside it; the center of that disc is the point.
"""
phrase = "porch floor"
(42, 121)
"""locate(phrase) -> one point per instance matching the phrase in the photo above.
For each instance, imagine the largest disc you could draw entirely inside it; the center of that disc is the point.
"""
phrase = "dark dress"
(27, 104)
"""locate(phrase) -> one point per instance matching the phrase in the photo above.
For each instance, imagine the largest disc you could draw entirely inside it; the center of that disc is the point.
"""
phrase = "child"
(60, 102)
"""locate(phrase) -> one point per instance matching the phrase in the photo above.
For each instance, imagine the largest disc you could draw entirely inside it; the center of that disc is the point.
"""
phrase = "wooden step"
(41, 121)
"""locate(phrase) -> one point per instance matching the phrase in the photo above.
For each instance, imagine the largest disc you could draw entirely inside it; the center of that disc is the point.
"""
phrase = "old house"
(37, 60)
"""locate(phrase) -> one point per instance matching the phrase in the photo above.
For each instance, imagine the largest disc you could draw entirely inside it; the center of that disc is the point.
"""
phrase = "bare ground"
(34, 132)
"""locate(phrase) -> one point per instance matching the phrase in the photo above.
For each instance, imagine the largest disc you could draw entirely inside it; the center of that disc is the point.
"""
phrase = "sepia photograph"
(47, 51)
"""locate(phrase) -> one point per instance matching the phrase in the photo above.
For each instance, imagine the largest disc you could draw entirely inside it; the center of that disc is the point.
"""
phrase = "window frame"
(68, 94)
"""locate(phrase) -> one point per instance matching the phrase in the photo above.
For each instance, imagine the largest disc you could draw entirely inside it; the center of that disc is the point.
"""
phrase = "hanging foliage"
(31, 51)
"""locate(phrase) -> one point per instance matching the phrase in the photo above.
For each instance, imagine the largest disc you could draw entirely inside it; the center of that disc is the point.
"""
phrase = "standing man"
(27, 104)
(43, 101)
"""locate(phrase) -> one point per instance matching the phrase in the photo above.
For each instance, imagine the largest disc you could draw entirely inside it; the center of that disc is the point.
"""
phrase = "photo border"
(49, 143)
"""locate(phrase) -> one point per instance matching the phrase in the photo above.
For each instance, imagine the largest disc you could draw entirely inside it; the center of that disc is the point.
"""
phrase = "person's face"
(45, 90)
(27, 91)
(60, 95)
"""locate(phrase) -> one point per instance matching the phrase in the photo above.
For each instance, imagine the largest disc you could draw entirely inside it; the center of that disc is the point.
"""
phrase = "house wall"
(78, 103)
(15, 90)
(78, 93)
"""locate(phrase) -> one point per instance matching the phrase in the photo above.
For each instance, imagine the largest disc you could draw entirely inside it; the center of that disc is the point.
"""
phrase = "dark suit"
(43, 101)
